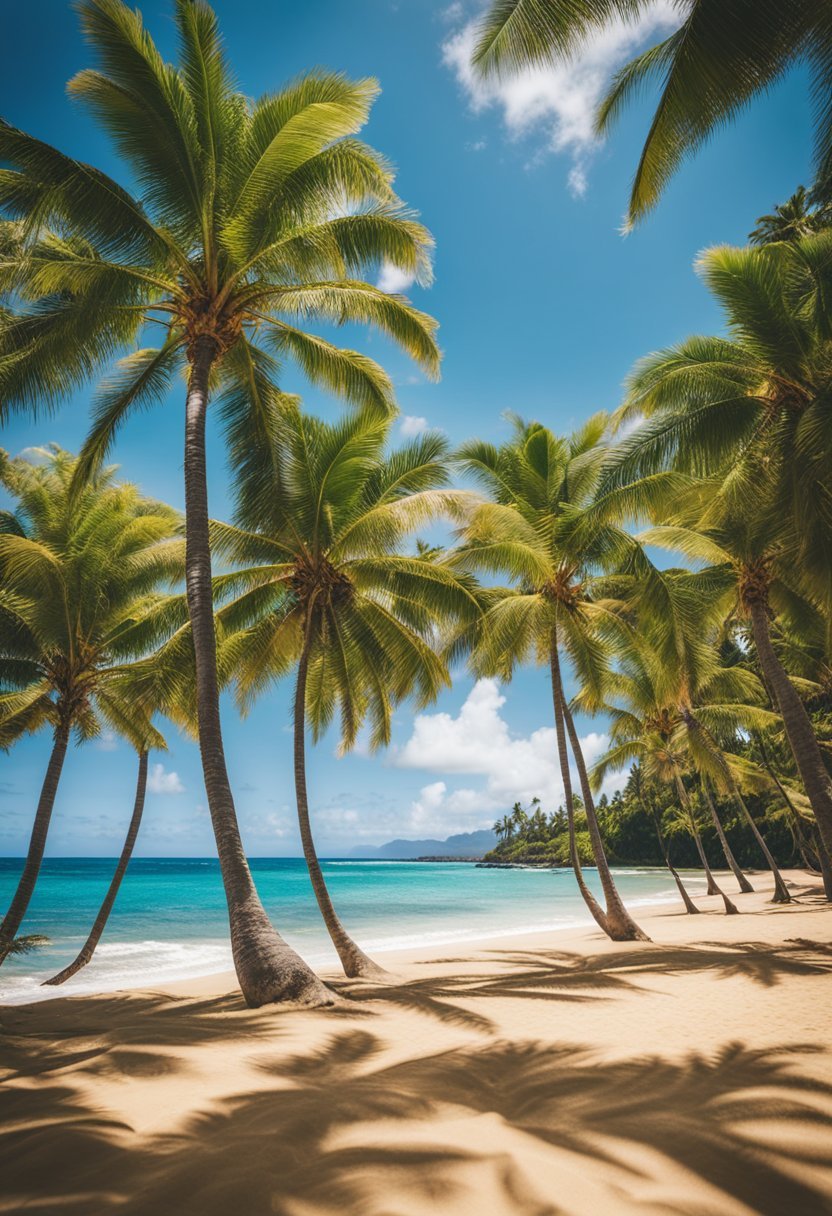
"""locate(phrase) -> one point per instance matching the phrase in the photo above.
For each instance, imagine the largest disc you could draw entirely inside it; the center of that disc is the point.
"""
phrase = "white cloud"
(161, 782)
(477, 145)
(559, 100)
(454, 12)
(412, 425)
(107, 742)
(393, 280)
(478, 742)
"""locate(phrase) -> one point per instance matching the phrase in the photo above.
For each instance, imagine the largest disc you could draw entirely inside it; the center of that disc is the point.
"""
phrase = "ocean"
(169, 921)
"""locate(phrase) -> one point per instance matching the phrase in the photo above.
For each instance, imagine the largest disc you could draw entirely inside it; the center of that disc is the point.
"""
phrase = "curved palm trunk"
(713, 886)
(620, 926)
(822, 855)
(355, 962)
(37, 842)
(781, 892)
(802, 740)
(744, 885)
(589, 899)
(88, 949)
(690, 906)
(268, 970)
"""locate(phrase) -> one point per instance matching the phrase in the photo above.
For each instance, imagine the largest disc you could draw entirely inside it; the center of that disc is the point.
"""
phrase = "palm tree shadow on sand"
(566, 976)
(337, 1130)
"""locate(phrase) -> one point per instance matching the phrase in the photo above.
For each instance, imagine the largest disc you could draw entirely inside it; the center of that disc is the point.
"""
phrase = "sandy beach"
(559, 1074)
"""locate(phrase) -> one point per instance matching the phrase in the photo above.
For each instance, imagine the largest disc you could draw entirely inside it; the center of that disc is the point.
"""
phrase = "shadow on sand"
(339, 1130)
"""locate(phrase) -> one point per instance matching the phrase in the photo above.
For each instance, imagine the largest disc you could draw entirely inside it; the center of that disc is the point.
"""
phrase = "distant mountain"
(465, 844)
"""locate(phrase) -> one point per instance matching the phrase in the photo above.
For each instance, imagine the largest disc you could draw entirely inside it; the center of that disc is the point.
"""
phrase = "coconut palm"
(675, 714)
(79, 572)
(644, 796)
(249, 219)
(721, 55)
(647, 726)
(545, 531)
(792, 220)
(756, 557)
(322, 516)
(752, 411)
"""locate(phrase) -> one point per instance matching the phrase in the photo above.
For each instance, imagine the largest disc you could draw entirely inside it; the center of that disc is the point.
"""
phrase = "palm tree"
(539, 484)
(755, 559)
(648, 726)
(792, 220)
(722, 55)
(250, 216)
(645, 798)
(79, 569)
(321, 519)
(674, 706)
(751, 411)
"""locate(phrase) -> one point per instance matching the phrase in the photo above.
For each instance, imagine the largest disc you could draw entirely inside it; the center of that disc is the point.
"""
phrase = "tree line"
(250, 219)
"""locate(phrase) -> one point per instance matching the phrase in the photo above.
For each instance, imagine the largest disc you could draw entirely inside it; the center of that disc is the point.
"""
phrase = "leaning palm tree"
(722, 55)
(79, 572)
(86, 952)
(540, 485)
(250, 218)
(755, 557)
(751, 411)
(323, 513)
(649, 712)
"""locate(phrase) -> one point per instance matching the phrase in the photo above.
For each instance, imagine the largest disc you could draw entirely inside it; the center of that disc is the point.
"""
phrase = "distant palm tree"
(250, 216)
(546, 530)
(756, 559)
(752, 411)
(79, 568)
(792, 220)
(323, 515)
(723, 54)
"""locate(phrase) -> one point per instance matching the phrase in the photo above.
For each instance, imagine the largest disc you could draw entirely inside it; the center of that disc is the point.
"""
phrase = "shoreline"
(326, 963)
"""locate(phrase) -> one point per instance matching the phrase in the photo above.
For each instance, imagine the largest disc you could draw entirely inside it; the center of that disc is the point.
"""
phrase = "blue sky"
(543, 307)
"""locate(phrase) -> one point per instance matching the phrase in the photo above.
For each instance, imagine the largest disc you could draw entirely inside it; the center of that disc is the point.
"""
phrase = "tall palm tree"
(323, 513)
(752, 411)
(722, 55)
(249, 217)
(540, 485)
(79, 571)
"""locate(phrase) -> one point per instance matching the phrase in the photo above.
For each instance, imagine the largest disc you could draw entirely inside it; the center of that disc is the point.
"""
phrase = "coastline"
(552, 1073)
(421, 943)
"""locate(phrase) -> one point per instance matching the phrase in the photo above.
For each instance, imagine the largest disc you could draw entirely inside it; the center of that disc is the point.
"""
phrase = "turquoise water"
(169, 921)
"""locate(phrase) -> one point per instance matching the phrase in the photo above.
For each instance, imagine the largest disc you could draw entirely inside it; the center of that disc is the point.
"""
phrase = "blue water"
(169, 921)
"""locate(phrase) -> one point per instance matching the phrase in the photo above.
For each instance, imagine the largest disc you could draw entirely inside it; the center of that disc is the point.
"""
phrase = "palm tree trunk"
(355, 962)
(781, 891)
(563, 756)
(88, 949)
(744, 885)
(823, 856)
(713, 886)
(268, 970)
(690, 906)
(37, 842)
(802, 740)
(620, 925)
